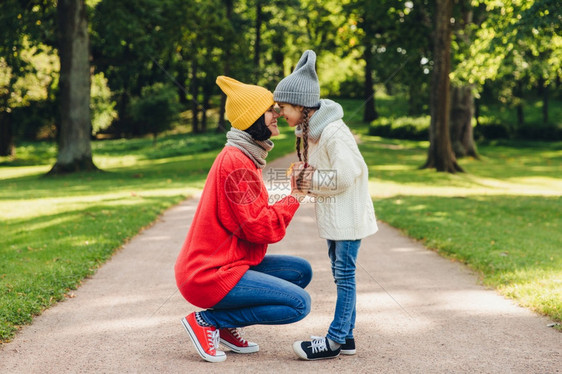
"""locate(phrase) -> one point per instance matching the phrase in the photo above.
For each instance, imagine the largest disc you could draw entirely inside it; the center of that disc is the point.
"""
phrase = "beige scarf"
(256, 150)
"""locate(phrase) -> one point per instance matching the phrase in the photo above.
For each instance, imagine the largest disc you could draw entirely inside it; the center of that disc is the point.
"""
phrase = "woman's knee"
(304, 305)
(305, 270)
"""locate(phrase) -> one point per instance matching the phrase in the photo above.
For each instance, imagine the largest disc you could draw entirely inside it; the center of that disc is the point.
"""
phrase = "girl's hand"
(301, 178)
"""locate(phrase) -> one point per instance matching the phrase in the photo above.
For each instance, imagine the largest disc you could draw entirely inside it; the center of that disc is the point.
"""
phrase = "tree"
(462, 99)
(440, 155)
(515, 45)
(371, 21)
(411, 48)
(539, 27)
(75, 151)
(229, 9)
(133, 43)
(24, 26)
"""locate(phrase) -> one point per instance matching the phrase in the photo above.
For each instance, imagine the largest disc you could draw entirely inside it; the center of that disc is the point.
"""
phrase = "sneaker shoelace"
(213, 337)
(318, 344)
(237, 335)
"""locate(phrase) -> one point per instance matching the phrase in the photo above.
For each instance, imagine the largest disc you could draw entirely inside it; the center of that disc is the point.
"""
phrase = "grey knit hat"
(301, 87)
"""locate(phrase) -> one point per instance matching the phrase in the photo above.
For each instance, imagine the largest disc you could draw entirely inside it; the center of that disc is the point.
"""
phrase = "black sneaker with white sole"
(317, 349)
(349, 347)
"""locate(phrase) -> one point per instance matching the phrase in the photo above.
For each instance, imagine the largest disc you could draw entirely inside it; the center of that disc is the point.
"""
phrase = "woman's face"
(271, 120)
(291, 113)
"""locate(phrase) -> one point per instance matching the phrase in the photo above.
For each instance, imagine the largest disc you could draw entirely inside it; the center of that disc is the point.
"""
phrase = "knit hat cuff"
(306, 99)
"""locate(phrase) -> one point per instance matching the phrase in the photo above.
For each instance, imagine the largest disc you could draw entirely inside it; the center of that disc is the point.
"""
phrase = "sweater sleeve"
(345, 165)
(244, 209)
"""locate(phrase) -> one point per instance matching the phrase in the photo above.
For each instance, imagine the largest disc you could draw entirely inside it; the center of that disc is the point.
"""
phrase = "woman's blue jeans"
(271, 293)
(343, 256)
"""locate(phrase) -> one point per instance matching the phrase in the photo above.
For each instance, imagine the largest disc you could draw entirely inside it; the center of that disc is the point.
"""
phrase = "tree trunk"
(414, 101)
(278, 58)
(545, 94)
(207, 92)
(194, 95)
(182, 79)
(519, 106)
(462, 100)
(462, 104)
(257, 45)
(370, 113)
(477, 111)
(6, 137)
(75, 152)
(520, 115)
(221, 127)
(440, 155)
(227, 56)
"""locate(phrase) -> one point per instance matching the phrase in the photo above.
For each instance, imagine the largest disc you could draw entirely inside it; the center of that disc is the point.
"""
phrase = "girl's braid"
(304, 125)
(299, 148)
(305, 119)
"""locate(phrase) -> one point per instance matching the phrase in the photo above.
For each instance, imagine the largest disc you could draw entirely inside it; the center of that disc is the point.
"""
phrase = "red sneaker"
(205, 339)
(232, 339)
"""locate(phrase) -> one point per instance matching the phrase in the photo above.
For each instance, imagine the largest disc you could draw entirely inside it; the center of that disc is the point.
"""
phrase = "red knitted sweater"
(231, 229)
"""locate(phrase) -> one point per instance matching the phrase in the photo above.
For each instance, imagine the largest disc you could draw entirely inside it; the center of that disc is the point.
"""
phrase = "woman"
(222, 266)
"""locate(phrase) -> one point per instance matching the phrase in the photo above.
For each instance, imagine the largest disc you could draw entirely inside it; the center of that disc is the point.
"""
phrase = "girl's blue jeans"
(343, 256)
(271, 293)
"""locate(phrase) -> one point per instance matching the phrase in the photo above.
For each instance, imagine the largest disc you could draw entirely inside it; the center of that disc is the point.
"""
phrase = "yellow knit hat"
(245, 103)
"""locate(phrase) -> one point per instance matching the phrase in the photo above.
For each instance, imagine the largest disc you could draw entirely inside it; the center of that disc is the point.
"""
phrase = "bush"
(539, 132)
(492, 131)
(417, 128)
(413, 128)
(156, 109)
(29, 121)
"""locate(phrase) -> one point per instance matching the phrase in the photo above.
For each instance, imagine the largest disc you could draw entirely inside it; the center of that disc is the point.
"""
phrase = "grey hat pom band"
(306, 99)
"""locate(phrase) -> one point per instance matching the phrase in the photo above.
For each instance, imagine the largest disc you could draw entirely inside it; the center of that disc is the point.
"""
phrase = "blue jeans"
(343, 256)
(271, 293)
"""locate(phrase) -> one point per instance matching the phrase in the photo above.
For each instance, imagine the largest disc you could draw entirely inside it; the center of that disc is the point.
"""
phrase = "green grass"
(502, 217)
(57, 230)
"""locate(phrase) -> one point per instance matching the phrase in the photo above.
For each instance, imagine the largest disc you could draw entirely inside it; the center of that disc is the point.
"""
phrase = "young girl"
(339, 185)
(222, 266)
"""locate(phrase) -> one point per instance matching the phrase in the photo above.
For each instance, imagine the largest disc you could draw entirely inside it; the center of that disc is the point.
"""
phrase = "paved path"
(417, 313)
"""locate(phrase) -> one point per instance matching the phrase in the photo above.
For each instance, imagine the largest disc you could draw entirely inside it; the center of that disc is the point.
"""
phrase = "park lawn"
(57, 230)
(503, 218)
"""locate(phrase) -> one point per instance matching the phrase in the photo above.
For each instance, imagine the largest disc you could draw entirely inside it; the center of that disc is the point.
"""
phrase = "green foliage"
(516, 39)
(136, 43)
(495, 122)
(341, 77)
(102, 107)
(156, 109)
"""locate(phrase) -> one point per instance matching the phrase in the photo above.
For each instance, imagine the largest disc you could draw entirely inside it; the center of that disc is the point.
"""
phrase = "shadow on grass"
(38, 270)
(510, 240)
(399, 161)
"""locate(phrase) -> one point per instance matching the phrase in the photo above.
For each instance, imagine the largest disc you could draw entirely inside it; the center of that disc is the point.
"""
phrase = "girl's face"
(271, 120)
(291, 113)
